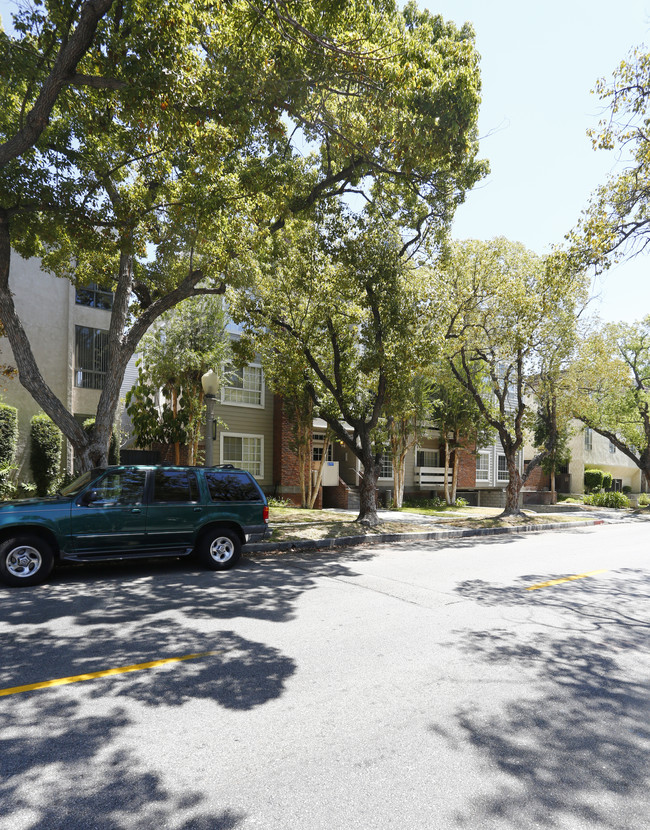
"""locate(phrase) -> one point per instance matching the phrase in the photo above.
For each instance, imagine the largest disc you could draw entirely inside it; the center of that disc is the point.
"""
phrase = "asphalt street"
(499, 682)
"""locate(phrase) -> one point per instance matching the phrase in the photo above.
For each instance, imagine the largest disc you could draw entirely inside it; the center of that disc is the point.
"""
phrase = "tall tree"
(617, 221)
(611, 378)
(458, 418)
(507, 305)
(188, 341)
(174, 144)
(348, 309)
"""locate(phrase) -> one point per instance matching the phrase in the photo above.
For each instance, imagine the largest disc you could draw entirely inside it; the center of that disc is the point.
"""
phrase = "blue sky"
(539, 62)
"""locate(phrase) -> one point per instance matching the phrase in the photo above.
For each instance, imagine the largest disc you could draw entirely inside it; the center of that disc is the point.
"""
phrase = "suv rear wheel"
(219, 549)
(25, 560)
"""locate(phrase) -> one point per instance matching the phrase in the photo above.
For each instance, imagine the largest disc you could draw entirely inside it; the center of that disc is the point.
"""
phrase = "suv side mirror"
(89, 497)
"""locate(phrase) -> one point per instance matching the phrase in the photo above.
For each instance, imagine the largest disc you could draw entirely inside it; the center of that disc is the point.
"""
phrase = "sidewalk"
(580, 517)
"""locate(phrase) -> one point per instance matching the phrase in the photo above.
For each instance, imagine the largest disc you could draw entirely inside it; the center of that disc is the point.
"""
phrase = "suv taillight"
(265, 513)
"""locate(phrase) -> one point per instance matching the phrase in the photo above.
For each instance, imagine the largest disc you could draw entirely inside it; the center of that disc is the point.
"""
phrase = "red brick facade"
(286, 471)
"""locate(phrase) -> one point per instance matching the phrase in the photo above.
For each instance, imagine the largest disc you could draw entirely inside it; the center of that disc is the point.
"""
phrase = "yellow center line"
(62, 681)
(565, 579)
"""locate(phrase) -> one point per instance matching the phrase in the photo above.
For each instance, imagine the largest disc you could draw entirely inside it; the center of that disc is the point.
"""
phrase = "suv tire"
(219, 548)
(25, 560)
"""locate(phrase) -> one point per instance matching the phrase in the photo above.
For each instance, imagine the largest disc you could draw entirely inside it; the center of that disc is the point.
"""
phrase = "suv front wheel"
(219, 549)
(25, 560)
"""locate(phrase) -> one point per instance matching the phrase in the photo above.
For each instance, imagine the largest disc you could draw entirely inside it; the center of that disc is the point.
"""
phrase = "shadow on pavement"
(576, 753)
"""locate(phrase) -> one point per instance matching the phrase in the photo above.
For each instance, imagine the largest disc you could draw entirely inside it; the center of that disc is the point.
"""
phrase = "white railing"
(430, 476)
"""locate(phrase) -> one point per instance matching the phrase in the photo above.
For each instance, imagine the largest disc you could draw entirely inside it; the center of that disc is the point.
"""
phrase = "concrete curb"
(423, 536)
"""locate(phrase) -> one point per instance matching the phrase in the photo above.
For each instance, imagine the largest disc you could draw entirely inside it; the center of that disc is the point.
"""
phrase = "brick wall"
(285, 461)
(336, 497)
(467, 469)
(538, 480)
(167, 453)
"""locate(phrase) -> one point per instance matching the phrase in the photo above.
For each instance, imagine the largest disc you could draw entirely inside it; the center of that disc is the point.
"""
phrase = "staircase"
(354, 499)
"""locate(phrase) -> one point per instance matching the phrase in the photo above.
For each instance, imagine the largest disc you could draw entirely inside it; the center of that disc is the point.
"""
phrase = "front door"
(113, 520)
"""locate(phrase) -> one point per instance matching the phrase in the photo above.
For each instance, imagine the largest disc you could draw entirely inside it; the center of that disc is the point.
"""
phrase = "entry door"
(114, 521)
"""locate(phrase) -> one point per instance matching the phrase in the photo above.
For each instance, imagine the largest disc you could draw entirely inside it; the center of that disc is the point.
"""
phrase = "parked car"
(131, 512)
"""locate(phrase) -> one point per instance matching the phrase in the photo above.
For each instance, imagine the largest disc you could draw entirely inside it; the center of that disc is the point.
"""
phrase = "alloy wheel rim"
(221, 549)
(23, 561)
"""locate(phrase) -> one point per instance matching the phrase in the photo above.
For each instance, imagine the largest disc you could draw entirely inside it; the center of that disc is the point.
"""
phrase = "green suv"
(133, 512)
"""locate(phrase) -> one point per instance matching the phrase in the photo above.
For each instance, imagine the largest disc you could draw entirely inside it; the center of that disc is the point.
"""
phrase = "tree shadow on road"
(576, 753)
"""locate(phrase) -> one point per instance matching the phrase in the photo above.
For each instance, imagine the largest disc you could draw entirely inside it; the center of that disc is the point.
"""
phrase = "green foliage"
(188, 341)
(627, 489)
(114, 444)
(607, 481)
(45, 453)
(508, 310)
(593, 480)
(615, 223)
(433, 503)
(611, 387)
(644, 500)
(276, 502)
(612, 499)
(8, 443)
(8, 434)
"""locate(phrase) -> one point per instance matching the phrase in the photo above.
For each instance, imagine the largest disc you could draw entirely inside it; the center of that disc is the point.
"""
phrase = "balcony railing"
(430, 476)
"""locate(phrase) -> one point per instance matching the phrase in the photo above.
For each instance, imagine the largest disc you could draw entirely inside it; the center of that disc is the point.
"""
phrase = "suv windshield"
(76, 486)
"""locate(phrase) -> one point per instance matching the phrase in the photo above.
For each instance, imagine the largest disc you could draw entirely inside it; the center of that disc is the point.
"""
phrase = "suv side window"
(231, 487)
(121, 487)
(175, 486)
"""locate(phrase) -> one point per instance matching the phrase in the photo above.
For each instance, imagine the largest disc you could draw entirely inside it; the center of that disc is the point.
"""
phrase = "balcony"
(429, 477)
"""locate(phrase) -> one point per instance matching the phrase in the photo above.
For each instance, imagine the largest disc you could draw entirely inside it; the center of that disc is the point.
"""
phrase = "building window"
(91, 357)
(244, 451)
(318, 442)
(588, 438)
(386, 465)
(612, 447)
(94, 296)
(483, 466)
(502, 468)
(427, 458)
(244, 387)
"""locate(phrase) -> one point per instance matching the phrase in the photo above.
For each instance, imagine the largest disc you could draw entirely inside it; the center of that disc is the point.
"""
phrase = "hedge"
(593, 480)
(45, 455)
(8, 434)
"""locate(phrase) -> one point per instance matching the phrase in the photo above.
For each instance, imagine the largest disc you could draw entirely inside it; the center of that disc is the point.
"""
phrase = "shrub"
(627, 489)
(45, 456)
(607, 481)
(8, 434)
(612, 499)
(113, 446)
(593, 480)
(644, 500)
(275, 502)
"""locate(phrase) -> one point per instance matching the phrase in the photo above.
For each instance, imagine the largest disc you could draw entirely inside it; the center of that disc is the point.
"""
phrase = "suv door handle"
(197, 509)
(136, 510)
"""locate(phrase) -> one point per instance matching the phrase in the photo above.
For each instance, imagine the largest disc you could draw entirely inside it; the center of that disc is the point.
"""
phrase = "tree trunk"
(399, 472)
(446, 475)
(29, 374)
(368, 488)
(321, 467)
(454, 475)
(513, 488)
(553, 493)
(177, 446)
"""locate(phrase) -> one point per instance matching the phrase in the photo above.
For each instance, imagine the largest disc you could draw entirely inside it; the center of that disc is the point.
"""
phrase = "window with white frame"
(243, 387)
(588, 438)
(502, 468)
(318, 442)
(483, 466)
(386, 465)
(245, 451)
(427, 458)
(612, 447)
